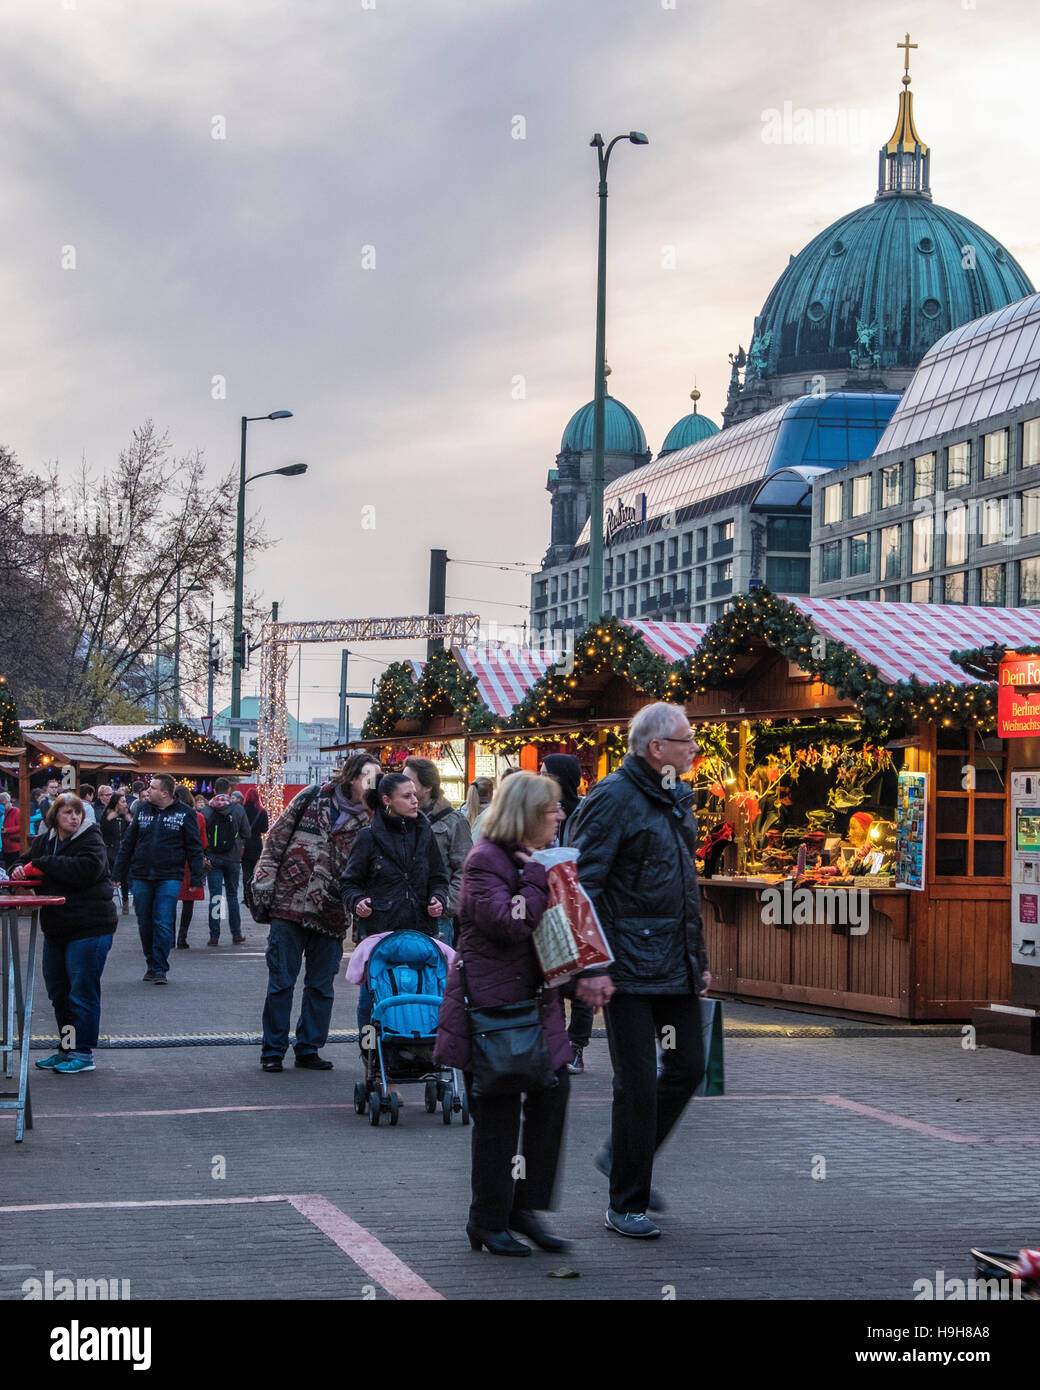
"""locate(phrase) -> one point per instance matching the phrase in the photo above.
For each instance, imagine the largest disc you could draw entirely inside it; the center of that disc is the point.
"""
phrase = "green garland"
(612, 646)
(981, 662)
(394, 695)
(197, 743)
(10, 733)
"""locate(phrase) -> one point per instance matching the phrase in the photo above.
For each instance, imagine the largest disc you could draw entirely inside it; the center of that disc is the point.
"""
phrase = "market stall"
(190, 757)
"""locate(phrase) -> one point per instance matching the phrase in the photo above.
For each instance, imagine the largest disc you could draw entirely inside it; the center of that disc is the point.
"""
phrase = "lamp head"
(280, 415)
(292, 470)
(637, 137)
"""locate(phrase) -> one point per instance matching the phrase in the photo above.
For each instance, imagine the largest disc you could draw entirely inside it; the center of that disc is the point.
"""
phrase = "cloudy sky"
(393, 236)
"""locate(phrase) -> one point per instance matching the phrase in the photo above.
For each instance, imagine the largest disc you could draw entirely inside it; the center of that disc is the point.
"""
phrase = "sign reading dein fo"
(1018, 697)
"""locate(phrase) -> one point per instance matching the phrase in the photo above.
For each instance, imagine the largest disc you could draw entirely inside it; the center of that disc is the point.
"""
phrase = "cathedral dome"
(622, 432)
(691, 429)
(889, 279)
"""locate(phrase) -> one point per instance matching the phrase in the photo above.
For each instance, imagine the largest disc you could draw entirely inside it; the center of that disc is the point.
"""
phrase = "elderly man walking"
(636, 834)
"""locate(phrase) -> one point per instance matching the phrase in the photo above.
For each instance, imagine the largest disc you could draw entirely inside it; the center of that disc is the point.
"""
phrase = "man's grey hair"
(661, 720)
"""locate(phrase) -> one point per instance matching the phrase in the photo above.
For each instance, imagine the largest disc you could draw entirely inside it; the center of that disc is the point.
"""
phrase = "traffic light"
(214, 655)
(242, 649)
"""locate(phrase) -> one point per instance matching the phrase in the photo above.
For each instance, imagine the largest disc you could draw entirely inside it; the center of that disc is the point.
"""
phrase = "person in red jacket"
(495, 942)
(10, 838)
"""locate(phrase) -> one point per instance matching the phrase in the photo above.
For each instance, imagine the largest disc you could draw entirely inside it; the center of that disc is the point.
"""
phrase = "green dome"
(889, 275)
(622, 432)
(691, 429)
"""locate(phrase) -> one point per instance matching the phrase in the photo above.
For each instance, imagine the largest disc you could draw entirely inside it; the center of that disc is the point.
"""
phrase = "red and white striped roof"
(915, 639)
(673, 641)
(504, 675)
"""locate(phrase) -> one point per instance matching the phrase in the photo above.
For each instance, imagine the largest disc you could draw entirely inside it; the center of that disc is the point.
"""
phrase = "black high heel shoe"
(496, 1242)
(530, 1224)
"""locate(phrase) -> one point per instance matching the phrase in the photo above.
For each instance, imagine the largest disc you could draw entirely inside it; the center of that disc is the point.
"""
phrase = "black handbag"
(508, 1052)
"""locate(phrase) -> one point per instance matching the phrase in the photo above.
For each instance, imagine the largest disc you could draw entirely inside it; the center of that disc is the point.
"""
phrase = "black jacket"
(76, 870)
(395, 862)
(637, 840)
(112, 831)
(157, 843)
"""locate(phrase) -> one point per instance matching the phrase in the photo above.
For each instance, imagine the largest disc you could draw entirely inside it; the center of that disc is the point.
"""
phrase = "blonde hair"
(474, 805)
(521, 802)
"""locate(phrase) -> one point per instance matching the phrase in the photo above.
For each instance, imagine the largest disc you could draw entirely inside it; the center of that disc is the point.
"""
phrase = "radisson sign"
(1018, 697)
(618, 519)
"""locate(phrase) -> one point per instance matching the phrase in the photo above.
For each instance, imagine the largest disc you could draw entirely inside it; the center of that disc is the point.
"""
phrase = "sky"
(381, 215)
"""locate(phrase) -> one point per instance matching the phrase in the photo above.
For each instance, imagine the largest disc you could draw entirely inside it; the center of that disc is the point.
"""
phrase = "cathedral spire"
(903, 163)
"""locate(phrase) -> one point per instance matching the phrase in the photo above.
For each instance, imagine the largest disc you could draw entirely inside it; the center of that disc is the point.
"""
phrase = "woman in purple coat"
(501, 901)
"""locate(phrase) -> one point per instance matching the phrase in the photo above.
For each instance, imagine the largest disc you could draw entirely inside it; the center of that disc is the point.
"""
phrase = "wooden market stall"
(188, 756)
(860, 695)
(66, 754)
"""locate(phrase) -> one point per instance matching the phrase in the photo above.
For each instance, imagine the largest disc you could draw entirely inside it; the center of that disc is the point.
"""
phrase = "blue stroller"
(407, 975)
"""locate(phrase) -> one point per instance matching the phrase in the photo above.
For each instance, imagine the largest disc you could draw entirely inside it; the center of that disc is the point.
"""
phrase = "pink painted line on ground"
(899, 1121)
(364, 1249)
(200, 1110)
(156, 1202)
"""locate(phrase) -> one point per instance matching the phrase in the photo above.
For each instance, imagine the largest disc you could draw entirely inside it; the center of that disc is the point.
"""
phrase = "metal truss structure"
(272, 741)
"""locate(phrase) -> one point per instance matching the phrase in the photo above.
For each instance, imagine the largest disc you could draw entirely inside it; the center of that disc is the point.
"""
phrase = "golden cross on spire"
(906, 45)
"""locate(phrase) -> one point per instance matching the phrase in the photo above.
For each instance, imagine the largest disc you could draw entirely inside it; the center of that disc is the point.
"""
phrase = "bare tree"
(114, 550)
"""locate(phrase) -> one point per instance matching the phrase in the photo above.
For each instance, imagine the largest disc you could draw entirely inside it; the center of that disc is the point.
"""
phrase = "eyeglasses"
(691, 739)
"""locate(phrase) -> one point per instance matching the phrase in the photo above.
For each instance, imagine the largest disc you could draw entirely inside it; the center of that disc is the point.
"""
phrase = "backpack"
(222, 833)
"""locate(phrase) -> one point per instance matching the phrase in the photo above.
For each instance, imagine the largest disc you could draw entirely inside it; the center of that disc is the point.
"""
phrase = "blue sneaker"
(74, 1064)
(46, 1063)
(631, 1223)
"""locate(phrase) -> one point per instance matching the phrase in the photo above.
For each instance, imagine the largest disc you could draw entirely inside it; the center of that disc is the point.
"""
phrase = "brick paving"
(747, 1219)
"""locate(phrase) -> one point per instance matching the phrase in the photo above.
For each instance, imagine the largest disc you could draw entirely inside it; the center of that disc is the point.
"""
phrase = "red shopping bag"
(569, 938)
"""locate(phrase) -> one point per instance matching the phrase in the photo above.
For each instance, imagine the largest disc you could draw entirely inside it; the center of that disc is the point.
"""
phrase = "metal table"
(18, 1000)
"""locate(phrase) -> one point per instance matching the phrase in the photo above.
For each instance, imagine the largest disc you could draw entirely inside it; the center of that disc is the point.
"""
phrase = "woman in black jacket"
(395, 878)
(69, 860)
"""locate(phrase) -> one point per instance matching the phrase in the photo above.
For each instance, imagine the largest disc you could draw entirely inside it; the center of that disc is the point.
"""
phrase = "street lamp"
(181, 595)
(238, 655)
(599, 405)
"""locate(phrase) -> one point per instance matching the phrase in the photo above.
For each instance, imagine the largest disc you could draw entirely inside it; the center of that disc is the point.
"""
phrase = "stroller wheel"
(395, 1108)
(360, 1098)
(465, 1108)
(375, 1102)
(447, 1104)
(431, 1097)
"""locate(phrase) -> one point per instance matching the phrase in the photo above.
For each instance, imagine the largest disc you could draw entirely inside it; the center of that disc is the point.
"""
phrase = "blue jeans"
(287, 945)
(72, 974)
(156, 908)
(224, 878)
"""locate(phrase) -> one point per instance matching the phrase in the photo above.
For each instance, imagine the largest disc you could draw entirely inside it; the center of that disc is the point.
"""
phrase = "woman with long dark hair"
(395, 877)
(258, 828)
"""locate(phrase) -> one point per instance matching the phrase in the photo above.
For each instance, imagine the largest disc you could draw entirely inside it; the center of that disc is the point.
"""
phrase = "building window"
(861, 495)
(956, 535)
(924, 476)
(921, 557)
(958, 465)
(859, 553)
(1029, 580)
(673, 552)
(832, 504)
(892, 595)
(992, 586)
(954, 587)
(995, 454)
(892, 485)
(994, 520)
(722, 571)
(1030, 512)
(921, 591)
(1030, 443)
(830, 561)
(788, 532)
(787, 574)
(969, 821)
(891, 553)
(723, 531)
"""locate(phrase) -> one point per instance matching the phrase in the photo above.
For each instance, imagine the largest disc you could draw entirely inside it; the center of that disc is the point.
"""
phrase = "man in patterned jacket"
(295, 888)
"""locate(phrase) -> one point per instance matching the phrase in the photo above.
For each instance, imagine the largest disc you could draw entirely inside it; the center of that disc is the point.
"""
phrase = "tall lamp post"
(181, 595)
(238, 654)
(599, 400)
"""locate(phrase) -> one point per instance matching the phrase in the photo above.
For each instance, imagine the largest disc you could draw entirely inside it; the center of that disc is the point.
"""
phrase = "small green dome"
(622, 432)
(691, 429)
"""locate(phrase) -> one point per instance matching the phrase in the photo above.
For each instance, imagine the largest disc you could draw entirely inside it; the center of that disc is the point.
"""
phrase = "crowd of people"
(371, 853)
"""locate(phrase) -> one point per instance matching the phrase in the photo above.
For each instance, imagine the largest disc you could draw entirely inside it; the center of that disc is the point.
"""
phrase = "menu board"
(911, 825)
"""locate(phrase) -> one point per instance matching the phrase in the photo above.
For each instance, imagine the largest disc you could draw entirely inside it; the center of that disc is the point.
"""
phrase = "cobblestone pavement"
(838, 1167)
